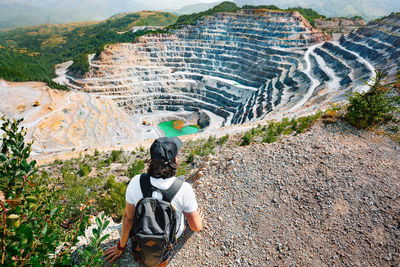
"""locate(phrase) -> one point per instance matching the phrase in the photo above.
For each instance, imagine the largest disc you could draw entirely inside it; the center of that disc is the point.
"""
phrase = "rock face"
(241, 67)
(339, 26)
(65, 120)
(338, 23)
(378, 42)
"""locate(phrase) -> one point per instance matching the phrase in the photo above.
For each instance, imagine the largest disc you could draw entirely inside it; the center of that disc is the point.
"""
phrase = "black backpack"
(154, 225)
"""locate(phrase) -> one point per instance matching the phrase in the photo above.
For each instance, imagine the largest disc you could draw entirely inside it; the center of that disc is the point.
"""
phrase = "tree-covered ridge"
(30, 53)
(191, 19)
(385, 17)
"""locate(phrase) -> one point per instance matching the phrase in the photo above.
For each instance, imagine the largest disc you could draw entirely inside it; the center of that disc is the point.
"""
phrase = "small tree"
(377, 105)
(30, 216)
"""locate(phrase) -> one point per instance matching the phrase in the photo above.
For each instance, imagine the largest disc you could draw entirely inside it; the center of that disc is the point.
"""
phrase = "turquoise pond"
(170, 131)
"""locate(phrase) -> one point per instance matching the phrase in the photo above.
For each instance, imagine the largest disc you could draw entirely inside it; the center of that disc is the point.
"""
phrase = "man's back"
(183, 202)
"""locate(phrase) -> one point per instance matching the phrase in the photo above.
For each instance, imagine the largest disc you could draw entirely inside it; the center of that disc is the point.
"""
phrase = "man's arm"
(113, 253)
(195, 220)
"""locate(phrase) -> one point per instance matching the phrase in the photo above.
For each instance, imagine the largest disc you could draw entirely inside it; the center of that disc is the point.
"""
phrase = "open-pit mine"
(235, 68)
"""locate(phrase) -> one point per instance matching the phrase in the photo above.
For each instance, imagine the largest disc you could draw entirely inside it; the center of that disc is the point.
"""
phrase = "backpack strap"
(146, 186)
(170, 193)
(148, 189)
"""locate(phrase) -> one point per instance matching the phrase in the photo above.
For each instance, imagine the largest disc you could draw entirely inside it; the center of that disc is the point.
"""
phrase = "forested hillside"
(30, 53)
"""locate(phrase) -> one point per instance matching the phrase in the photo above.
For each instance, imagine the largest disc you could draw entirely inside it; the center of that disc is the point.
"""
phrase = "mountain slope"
(30, 53)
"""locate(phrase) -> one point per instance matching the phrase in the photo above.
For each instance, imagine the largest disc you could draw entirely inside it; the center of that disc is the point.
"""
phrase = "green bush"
(247, 138)
(374, 106)
(190, 158)
(135, 168)
(81, 64)
(92, 253)
(193, 18)
(221, 141)
(209, 146)
(75, 190)
(116, 155)
(182, 169)
(84, 170)
(113, 201)
(270, 137)
(30, 215)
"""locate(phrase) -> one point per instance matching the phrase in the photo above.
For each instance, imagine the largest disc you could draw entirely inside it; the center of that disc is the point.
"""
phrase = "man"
(162, 170)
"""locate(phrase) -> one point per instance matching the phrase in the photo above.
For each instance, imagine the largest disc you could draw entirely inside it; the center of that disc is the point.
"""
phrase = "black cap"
(165, 148)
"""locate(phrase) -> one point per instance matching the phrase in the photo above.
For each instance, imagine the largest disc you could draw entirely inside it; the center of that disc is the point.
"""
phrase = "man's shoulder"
(135, 178)
(187, 188)
(134, 182)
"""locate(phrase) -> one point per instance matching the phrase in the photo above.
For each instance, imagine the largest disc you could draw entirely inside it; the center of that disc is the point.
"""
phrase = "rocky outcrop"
(378, 42)
(340, 23)
(339, 26)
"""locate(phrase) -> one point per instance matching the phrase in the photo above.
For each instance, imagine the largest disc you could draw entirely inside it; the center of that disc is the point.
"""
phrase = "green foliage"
(308, 13)
(206, 148)
(183, 169)
(116, 155)
(385, 17)
(271, 136)
(373, 107)
(190, 158)
(135, 168)
(221, 141)
(274, 130)
(113, 201)
(30, 53)
(81, 64)
(30, 216)
(357, 17)
(270, 7)
(75, 190)
(84, 170)
(92, 255)
(247, 138)
(193, 18)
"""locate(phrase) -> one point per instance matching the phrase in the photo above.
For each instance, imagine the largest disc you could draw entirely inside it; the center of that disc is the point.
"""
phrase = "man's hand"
(113, 253)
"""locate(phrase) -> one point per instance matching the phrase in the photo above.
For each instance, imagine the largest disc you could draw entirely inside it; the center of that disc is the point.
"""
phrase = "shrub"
(113, 202)
(136, 168)
(270, 137)
(208, 147)
(190, 158)
(92, 254)
(370, 108)
(81, 64)
(75, 190)
(84, 170)
(182, 169)
(246, 139)
(221, 141)
(30, 216)
(115, 155)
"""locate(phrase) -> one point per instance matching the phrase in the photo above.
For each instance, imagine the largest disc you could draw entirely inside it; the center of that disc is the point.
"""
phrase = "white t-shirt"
(184, 200)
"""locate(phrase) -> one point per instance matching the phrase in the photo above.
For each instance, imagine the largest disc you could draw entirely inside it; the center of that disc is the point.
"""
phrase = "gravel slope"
(328, 197)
